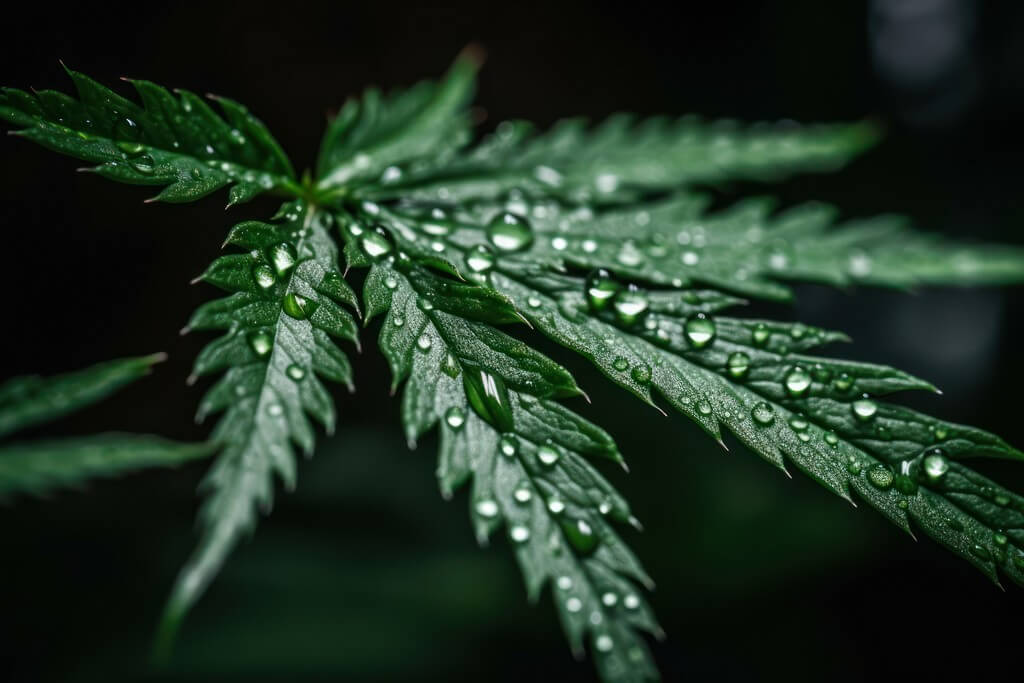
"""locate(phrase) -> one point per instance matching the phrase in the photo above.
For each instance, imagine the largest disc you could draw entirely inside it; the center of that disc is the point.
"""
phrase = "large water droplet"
(600, 289)
(423, 342)
(376, 244)
(437, 222)
(798, 381)
(519, 534)
(264, 276)
(297, 306)
(880, 476)
(261, 342)
(580, 534)
(641, 373)
(620, 364)
(283, 257)
(760, 334)
(455, 417)
(700, 330)
(522, 495)
(604, 643)
(487, 508)
(488, 396)
(509, 232)
(864, 408)
(548, 453)
(609, 599)
(934, 464)
(556, 506)
(480, 258)
(738, 364)
(630, 304)
(763, 413)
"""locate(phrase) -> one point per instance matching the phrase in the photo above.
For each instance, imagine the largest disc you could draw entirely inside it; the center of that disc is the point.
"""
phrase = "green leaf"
(379, 134)
(279, 323)
(29, 401)
(625, 158)
(41, 467)
(490, 397)
(176, 142)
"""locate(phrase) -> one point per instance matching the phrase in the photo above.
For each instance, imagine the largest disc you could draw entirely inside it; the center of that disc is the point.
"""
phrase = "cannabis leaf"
(279, 323)
(179, 142)
(38, 467)
(491, 397)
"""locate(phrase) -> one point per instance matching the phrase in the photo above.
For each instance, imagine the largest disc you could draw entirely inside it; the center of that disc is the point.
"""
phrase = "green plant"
(527, 228)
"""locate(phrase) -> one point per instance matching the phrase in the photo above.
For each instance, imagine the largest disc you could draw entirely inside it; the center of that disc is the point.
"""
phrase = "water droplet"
(488, 396)
(519, 533)
(574, 604)
(821, 373)
(620, 364)
(480, 258)
(831, 439)
(559, 243)
(629, 304)
(641, 373)
(283, 257)
(941, 433)
(798, 382)
(690, 258)
(864, 408)
(455, 417)
(631, 601)
(1000, 538)
(703, 407)
(981, 552)
(390, 282)
(601, 288)
(487, 508)
(556, 506)
(844, 382)
(798, 424)
(580, 534)
(880, 476)
(522, 495)
(589, 246)
(604, 643)
(237, 137)
(264, 276)
(450, 366)
(761, 334)
(424, 304)
(274, 409)
(700, 330)
(376, 244)
(397, 320)
(738, 364)
(423, 342)
(853, 467)
(509, 232)
(296, 372)
(507, 445)
(297, 306)
(437, 222)
(763, 413)
(261, 342)
(132, 148)
(127, 129)
(609, 599)
(548, 454)
(533, 302)
(934, 464)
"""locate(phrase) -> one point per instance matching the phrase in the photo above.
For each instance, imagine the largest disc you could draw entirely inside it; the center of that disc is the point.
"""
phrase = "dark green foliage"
(594, 236)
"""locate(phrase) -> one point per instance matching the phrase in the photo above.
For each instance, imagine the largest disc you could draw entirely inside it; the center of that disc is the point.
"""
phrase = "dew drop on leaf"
(981, 552)
(455, 417)
(548, 454)
(601, 288)
(738, 364)
(703, 407)
(604, 643)
(296, 372)
(556, 506)
(761, 334)
(297, 306)
(864, 408)
(480, 258)
(609, 599)
(509, 232)
(519, 533)
(573, 605)
(763, 413)
(522, 495)
(507, 445)
(580, 534)
(488, 397)
(376, 244)
(261, 342)
(450, 366)
(641, 373)
(487, 508)
(880, 476)
(700, 330)
(843, 382)
(283, 257)
(436, 222)
(629, 304)
(264, 276)
(798, 381)
(620, 364)
(423, 342)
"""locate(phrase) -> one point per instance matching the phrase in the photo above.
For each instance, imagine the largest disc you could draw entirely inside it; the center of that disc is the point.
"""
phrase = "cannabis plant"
(596, 236)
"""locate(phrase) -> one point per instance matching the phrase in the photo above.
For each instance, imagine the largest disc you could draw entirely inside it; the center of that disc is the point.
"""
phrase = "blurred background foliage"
(364, 573)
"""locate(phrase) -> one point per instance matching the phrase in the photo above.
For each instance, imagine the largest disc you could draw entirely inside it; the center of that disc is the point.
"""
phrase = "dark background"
(365, 573)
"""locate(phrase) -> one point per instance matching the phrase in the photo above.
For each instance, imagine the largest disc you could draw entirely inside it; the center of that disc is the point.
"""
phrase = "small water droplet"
(981, 552)
(564, 582)
(700, 330)
(296, 372)
(423, 342)
(600, 289)
(397, 320)
(455, 417)
(556, 506)
(522, 495)
(297, 306)
(798, 424)
(641, 373)
(631, 601)
(629, 304)
(880, 476)
(761, 334)
(763, 413)
(390, 282)
(604, 643)
(283, 257)
(703, 407)
(507, 445)
(450, 366)
(533, 302)
(934, 464)
(509, 232)
(480, 258)
(274, 409)
(738, 364)
(487, 508)
(548, 454)
(573, 604)
(864, 408)
(437, 222)
(609, 599)
(488, 396)
(831, 439)
(376, 244)
(519, 533)
(261, 342)
(264, 276)
(844, 382)
(798, 382)
(620, 364)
